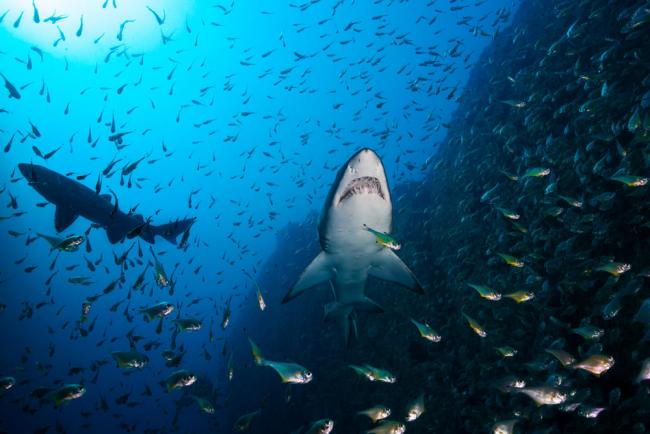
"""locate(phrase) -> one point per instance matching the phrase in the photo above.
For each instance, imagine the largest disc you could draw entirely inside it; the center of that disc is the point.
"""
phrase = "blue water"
(258, 137)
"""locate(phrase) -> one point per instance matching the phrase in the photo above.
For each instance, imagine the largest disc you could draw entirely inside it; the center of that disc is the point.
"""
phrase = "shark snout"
(365, 163)
(365, 156)
(26, 170)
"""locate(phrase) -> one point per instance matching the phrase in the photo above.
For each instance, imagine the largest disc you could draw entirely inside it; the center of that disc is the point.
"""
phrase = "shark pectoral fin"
(318, 271)
(388, 266)
(115, 233)
(63, 218)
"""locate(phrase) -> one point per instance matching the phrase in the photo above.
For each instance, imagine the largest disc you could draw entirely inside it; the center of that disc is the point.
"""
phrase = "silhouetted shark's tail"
(169, 231)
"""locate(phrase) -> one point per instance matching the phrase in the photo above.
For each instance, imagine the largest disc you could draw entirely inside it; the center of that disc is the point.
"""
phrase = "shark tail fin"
(169, 231)
(344, 314)
(318, 271)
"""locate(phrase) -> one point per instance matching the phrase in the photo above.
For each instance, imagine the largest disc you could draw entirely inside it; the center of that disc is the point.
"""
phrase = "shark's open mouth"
(363, 185)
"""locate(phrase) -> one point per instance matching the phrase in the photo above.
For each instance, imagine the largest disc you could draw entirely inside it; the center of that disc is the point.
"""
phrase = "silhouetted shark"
(72, 199)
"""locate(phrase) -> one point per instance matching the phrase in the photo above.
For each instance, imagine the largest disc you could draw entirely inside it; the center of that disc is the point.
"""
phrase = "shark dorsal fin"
(106, 197)
(63, 218)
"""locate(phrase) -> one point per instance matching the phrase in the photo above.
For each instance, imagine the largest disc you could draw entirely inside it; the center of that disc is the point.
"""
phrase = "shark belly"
(351, 247)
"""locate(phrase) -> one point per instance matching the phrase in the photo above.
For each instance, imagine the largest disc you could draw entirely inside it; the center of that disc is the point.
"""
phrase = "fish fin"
(353, 333)
(147, 316)
(106, 197)
(343, 315)
(115, 233)
(169, 231)
(318, 271)
(54, 241)
(388, 266)
(335, 309)
(367, 305)
(63, 218)
(257, 353)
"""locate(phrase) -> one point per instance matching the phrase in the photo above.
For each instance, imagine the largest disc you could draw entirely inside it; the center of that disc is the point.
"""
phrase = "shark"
(358, 199)
(73, 199)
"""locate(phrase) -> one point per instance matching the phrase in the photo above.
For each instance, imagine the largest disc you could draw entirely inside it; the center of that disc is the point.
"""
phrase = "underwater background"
(515, 141)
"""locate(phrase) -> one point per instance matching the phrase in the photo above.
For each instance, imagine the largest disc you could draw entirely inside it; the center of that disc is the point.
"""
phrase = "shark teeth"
(365, 184)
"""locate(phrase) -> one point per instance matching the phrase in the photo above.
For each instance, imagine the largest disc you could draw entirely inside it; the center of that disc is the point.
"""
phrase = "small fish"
(70, 244)
(543, 395)
(7, 383)
(260, 300)
(415, 408)
(504, 427)
(243, 423)
(486, 292)
(120, 34)
(13, 92)
(158, 310)
(322, 426)
(377, 413)
(230, 369)
(644, 373)
(67, 393)
(426, 331)
(130, 359)
(520, 296)
(85, 310)
(571, 201)
(374, 374)
(225, 320)
(81, 27)
(188, 324)
(511, 260)
(388, 427)
(159, 274)
(288, 372)
(204, 405)
(509, 214)
(596, 364)
(515, 104)
(590, 333)
(506, 351)
(510, 176)
(159, 20)
(179, 379)
(614, 268)
(384, 239)
(562, 356)
(475, 326)
(630, 180)
(590, 412)
(37, 18)
(536, 172)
